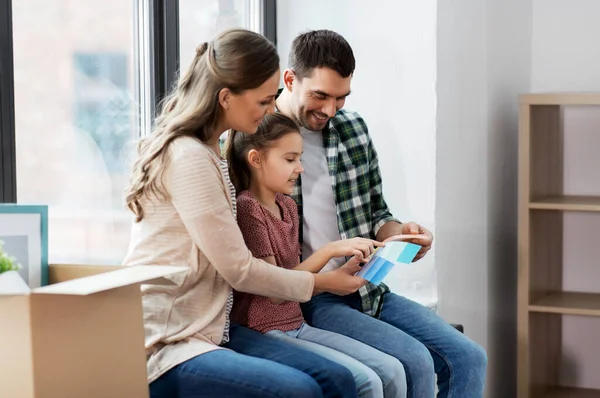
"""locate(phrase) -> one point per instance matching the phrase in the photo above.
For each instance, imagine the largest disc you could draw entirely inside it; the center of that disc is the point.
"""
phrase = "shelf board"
(567, 99)
(568, 303)
(567, 392)
(568, 203)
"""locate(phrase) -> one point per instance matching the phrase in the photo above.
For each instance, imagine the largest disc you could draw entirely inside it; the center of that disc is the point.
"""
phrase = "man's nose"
(330, 108)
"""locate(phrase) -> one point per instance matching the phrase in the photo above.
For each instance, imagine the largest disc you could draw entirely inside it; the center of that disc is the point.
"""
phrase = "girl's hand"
(360, 247)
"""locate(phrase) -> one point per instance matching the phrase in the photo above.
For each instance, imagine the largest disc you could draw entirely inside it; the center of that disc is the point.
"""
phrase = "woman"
(184, 215)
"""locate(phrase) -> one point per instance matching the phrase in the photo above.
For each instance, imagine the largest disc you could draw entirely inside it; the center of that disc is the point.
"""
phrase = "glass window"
(201, 20)
(76, 117)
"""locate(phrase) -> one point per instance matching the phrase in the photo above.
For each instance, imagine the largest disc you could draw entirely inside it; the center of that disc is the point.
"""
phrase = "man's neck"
(283, 103)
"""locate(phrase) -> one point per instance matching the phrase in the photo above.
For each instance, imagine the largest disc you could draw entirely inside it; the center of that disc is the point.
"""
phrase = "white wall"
(394, 90)
(566, 57)
(483, 64)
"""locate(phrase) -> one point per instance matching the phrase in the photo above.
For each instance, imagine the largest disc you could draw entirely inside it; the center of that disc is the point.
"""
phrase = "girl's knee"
(368, 383)
(393, 378)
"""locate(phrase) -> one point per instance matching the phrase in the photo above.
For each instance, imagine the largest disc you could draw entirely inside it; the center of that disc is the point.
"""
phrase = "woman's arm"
(198, 192)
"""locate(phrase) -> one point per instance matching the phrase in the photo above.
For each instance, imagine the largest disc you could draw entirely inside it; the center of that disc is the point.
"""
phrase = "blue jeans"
(423, 342)
(291, 372)
(376, 374)
(224, 373)
(335, 380)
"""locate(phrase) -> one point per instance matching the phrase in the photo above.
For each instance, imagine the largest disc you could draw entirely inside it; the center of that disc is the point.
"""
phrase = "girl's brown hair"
(272, 129)
(237, 59)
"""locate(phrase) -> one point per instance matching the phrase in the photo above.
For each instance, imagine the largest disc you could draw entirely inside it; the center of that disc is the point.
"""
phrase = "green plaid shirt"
(356, 180)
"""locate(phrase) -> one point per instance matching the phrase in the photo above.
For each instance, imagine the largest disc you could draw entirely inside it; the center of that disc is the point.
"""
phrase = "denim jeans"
(224, 373)
(423, 342)
(335, 380)
(376, 374)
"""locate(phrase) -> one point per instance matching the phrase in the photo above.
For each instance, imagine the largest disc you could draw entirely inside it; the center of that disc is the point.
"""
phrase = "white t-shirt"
(320, 215)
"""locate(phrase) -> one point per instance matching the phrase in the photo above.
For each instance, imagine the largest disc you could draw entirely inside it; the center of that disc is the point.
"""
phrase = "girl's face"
(280, 166)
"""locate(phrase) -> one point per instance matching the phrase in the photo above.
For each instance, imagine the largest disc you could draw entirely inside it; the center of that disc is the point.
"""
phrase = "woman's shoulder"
(184, 146)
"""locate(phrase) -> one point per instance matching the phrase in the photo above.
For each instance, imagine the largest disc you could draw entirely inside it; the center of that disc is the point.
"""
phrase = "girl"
(264, 168)
(184, 215)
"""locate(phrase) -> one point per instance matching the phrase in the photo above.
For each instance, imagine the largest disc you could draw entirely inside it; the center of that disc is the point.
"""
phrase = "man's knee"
(419, 364)
(474, 356)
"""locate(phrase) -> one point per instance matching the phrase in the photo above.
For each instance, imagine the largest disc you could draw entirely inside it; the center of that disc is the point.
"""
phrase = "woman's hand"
(362, 248)
(340, 281)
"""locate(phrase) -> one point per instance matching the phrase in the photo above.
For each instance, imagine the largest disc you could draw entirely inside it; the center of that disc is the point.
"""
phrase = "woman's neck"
(213, 143)
(265, 197)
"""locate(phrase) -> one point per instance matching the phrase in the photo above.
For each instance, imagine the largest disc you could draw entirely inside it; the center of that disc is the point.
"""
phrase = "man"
(339, 195)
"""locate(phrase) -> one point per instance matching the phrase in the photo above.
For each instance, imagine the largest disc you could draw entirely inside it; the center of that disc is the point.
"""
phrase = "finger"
(411, 228)
(352, 269)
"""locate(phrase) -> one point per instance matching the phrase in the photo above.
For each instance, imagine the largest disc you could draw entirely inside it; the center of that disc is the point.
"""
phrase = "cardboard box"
(83, 337)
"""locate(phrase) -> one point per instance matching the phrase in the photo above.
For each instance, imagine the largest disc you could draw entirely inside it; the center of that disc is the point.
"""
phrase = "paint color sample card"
(385, 258)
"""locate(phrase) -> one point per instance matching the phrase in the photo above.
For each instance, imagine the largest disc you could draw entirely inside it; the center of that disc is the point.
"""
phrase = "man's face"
(317, 98)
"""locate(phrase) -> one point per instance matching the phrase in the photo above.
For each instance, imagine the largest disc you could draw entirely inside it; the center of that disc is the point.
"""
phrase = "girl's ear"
(254, 158)
(224, 98)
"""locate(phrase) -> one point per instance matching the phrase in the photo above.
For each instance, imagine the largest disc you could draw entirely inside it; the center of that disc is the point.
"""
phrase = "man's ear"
(224, 98)
(289, 77)
(254, 158)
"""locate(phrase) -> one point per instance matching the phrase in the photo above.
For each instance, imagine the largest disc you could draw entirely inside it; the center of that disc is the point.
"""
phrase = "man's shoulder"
(349, 121)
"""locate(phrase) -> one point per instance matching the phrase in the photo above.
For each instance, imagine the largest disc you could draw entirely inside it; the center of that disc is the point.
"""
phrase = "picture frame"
(24, 232)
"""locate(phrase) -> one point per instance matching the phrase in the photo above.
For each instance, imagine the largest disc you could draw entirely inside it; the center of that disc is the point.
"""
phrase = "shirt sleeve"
(197, 189)
(253, 225)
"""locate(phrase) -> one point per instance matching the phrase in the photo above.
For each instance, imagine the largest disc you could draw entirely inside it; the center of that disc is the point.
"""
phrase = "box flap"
(12, 284)
(65, 272)
(124, 276)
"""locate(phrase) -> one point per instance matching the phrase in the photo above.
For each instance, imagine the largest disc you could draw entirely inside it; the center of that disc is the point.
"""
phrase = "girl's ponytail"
(235, 153)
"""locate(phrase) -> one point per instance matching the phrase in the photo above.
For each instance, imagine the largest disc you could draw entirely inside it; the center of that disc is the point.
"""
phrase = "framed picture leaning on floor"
(24, 234)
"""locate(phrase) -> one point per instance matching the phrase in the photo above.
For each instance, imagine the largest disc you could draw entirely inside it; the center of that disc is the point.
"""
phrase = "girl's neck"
(265, 197)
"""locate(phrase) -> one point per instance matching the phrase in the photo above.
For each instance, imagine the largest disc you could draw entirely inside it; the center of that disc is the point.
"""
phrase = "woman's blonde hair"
(237, 59)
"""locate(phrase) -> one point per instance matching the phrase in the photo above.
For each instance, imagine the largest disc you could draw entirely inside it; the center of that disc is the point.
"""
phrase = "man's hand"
(413, 228)
(340, 281)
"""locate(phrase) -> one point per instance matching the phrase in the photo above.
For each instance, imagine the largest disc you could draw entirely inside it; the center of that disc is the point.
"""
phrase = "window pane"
(76, 119)
(201, 20)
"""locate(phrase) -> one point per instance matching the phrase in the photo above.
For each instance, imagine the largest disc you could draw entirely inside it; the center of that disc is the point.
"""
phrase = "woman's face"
(246, 110)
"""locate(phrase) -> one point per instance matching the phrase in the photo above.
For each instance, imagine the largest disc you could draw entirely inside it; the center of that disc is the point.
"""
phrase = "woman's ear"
(254, 158)
(224, 98)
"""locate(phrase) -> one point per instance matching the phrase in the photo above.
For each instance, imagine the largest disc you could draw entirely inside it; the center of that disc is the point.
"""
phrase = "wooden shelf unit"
(542, 302)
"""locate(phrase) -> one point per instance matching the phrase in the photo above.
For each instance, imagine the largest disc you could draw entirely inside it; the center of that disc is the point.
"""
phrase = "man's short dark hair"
(321, 49)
